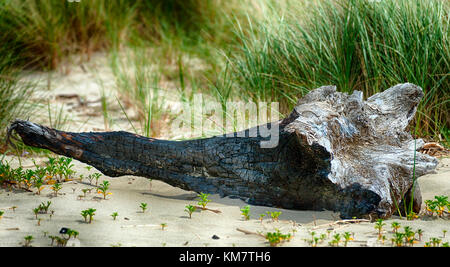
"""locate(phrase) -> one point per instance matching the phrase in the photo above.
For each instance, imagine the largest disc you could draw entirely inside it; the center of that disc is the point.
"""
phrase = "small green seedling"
(103, 189)
(84, 190)
(143, 206)
(72, 233)
(190, 209)
(28, 240)
(1, 213)
(203, 199)
(275, 238)
(435, 241)
(261, 217)
(91, 213)
(36, 212)
(163, 226)
(395, 226)
(379, 226)
(56, 187)
(398, 239)
(245, 211)
(409, 236)
(274, 215)
(114, 215)
(347, 237)
(43, 208)
(420, 234)
(336, 240)
(85, 214)
(96, 177)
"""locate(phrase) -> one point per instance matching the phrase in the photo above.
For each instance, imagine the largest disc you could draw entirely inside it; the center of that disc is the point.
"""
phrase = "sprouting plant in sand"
(347, 237)
(444, 232)
(395, 226)
(314, 241)
(397, 239)
(96, 177)
(274, 215)
(411, 216)
(143, 206)
(56, 187)
(261, 217)
(103, 189)
(435, 241)
(28, 240)
(43, 208)
(409, 236)
(84, 190)
(72, 233)
(88, 213)
(190, 209)
(39, 180)
(36, 212)
(27, 180)
(163, 226)
(64, 168)
(419, 232)
(438, 206)
(114, 215)
(203, 199)
(245, 211)
(336, 240)
(379, 226)
(90, 177)
(275, 238)
(85, 214)
(445, 245)
(1, 213)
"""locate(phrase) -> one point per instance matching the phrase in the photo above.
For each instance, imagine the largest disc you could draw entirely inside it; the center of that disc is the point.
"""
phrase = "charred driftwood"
(335, 151)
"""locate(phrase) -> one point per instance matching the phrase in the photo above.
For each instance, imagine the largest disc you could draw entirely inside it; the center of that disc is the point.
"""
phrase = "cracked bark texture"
(336, 152)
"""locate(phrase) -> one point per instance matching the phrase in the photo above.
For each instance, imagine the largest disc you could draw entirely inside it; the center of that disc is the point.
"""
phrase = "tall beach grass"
(355, 45)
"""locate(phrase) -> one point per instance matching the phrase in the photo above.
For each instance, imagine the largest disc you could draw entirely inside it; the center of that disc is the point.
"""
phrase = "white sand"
(167, 204)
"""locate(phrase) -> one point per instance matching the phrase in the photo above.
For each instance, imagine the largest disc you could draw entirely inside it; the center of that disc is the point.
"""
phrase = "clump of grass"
(355, 45)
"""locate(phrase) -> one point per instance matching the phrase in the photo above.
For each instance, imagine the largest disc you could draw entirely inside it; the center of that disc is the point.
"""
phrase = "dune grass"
(14, 93)
(44, 33)
(249, 50)
(355, 45)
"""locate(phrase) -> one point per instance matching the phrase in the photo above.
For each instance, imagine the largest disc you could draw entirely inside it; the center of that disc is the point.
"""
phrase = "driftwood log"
(335, 152)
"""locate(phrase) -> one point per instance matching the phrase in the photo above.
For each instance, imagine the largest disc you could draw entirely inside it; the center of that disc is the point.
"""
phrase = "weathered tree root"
(336, 152)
